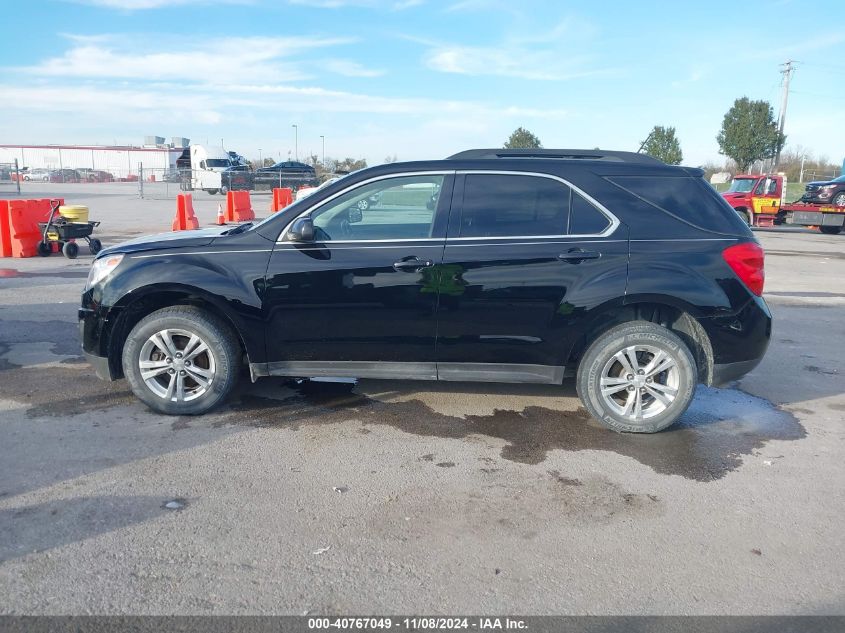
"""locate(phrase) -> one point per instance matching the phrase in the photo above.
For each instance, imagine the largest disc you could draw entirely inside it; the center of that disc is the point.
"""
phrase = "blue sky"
(415, 78)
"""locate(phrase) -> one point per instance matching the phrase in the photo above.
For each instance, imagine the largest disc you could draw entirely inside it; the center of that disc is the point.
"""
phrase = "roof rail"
(563, 154)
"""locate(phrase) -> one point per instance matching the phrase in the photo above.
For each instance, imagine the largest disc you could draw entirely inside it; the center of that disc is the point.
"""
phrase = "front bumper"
(93, 334)
(101, 366)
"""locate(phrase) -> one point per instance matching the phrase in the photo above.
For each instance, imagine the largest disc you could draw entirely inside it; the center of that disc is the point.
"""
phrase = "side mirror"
(354, 215)
(302, 230)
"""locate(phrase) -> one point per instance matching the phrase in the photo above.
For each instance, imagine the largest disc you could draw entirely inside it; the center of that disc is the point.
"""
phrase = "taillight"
(746, 260)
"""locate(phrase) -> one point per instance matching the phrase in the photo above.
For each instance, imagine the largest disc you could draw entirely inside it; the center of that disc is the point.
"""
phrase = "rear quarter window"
(689, 199)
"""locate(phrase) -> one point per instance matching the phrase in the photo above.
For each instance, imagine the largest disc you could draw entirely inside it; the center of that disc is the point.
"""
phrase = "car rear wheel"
(839, 199)
(637, 378)
(181, 360)
(831, 230)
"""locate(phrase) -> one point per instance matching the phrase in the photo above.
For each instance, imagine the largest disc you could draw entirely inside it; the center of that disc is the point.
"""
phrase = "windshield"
(742, 185)
(218, 162)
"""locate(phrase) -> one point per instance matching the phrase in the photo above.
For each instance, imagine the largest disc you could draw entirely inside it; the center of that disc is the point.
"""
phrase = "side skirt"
(470, 372)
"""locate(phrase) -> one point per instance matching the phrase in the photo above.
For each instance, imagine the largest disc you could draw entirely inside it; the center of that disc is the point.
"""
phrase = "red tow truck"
(760, 199)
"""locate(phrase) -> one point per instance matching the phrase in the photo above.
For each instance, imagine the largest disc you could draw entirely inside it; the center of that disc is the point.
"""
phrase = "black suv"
(826, 192)
(286, 174)
(633, 276)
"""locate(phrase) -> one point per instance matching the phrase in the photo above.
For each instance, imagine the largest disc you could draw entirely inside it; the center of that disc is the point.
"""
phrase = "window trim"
(445, 172)
(614, 221)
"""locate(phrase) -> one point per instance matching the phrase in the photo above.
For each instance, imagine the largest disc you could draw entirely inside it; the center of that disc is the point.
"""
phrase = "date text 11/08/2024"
(418, 623)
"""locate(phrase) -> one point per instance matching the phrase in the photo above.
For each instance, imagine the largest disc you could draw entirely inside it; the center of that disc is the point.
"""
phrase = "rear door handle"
(410, 264)
(577, 255)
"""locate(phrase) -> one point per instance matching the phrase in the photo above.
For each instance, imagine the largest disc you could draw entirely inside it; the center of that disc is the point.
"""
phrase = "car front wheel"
(637, 378)
(181, 360)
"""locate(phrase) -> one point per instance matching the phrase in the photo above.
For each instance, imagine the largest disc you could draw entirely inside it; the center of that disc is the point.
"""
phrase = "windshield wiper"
(238, 229)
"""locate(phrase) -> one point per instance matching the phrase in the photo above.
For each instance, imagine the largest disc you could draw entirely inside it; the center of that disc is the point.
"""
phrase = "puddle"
(721, 426)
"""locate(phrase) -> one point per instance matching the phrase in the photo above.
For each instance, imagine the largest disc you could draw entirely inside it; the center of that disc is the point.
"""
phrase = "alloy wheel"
(640, 382)
(176, 365)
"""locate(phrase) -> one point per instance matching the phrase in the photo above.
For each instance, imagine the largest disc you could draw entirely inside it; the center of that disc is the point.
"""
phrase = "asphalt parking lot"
(405, 497)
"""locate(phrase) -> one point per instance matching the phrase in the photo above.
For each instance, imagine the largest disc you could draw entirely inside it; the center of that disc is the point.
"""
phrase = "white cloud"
(512, 61)
(537, 54)
(395, 5)
(139, 5)
(350, 68)
(247, 58)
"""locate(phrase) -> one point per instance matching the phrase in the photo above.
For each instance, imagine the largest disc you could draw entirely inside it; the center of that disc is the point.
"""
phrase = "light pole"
(323, 138)
(260, 161)
(296, 140)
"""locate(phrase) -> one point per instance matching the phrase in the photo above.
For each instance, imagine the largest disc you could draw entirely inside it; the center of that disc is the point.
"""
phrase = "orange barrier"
(238, 207)
(19, 232)
(185, 219)
(282, 197)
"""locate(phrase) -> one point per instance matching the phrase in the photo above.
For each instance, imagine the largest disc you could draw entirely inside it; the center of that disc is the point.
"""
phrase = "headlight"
(102, 268)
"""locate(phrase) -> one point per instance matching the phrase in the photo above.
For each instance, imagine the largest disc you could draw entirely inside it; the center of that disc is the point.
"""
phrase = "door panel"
(520, 300)
(365, 292)
(348, 303)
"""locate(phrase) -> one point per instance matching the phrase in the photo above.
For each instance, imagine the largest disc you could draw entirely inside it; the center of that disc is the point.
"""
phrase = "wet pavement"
(397, 496)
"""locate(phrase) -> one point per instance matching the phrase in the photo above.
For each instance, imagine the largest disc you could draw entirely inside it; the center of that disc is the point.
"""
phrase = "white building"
(119, 160)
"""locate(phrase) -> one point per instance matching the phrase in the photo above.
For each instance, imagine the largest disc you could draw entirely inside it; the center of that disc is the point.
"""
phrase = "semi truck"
(213, 170)
(760, 199)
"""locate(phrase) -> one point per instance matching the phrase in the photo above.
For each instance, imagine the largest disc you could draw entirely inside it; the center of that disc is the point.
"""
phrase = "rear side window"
(690, 199)
(498, 205)
(584, 218)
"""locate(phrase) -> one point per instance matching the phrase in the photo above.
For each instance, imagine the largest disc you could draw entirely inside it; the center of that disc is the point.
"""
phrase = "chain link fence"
(166, 184)
(10, 178)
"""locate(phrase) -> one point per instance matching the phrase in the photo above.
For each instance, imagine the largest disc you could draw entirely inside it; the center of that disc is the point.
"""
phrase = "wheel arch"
(136, 306)
(669, 312)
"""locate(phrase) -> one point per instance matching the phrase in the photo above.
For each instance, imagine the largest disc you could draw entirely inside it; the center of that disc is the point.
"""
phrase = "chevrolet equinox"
(516, 266)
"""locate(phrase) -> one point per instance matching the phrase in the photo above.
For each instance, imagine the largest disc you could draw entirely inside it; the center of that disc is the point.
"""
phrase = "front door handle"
(577, 255)
(412, 264)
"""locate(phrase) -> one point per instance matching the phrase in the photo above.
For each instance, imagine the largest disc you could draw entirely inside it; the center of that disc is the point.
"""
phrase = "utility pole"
(296, 140)
(323, 138)
(787, 71)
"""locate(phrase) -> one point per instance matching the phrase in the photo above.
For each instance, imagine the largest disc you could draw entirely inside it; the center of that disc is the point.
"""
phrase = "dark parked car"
(65, 175)
(632, 276)
(237, 178)
(826, 192)
(286, 174)
(95, 175)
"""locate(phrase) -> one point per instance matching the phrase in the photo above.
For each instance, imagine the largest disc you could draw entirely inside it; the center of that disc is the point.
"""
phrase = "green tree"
(522, 138)
(749, 132)
(662, 144)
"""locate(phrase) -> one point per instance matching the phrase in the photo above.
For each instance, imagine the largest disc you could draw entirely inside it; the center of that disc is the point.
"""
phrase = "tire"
(839, 199)
(95, 245)
(211, 192)
(830, 230)
(744, 215)
(219, 362)
(70, 250)
(363, 205)
(602, 360)
(44, 249)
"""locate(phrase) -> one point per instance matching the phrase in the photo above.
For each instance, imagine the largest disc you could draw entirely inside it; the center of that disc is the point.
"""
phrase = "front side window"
(496, 205)
(388, 209)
